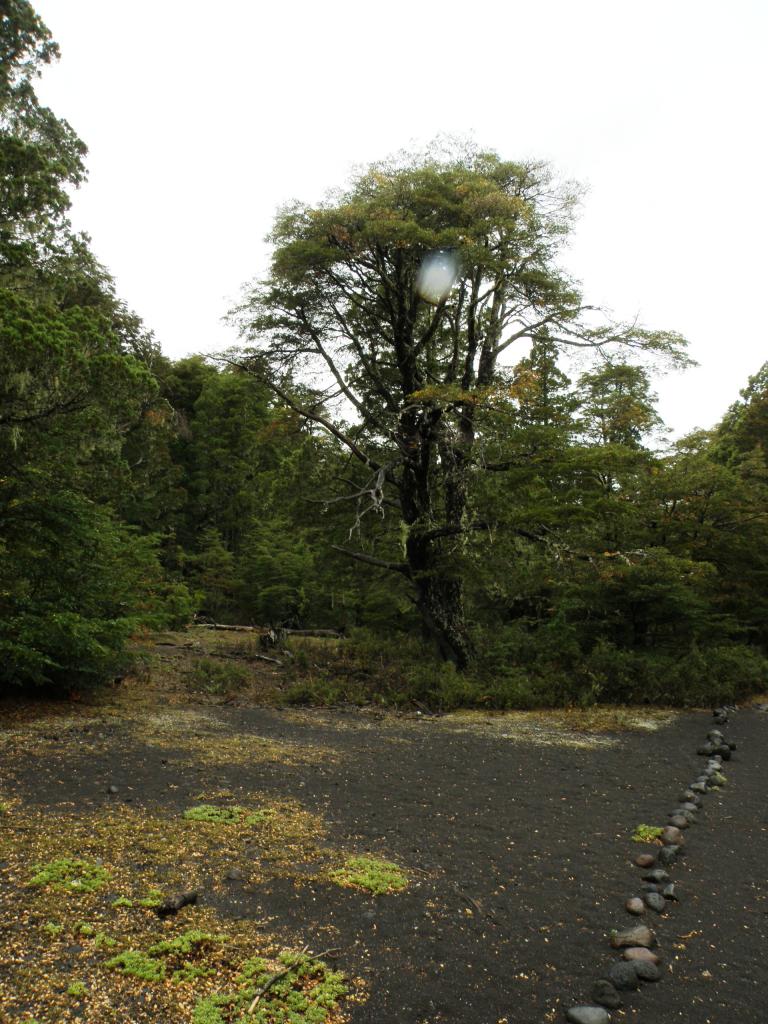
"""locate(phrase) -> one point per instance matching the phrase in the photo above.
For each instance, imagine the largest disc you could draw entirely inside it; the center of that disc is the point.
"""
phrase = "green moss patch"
(646, 834)
(67, 874)
(370, 873)
(215, 815)
(296, 989)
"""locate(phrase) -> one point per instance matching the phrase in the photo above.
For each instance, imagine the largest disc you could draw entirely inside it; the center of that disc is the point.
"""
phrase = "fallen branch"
(281, 974)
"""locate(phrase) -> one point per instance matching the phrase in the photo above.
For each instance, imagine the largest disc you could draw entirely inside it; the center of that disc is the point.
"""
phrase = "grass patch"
(646, 834)
(76, 989)
(370, 873)
(68, 874)
(217, 677)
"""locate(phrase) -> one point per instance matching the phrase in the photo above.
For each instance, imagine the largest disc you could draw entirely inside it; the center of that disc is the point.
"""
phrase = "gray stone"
(679, 821)
(706, 749)
(655, 901)
(645, 860)
(718, 780)
(725, 753)
(234, 875)
(605, 993)
(638, 935)
(672, 836)
(641, 953)
(651, 887)
(635, 905)
(646, 971)
(668, 855)
(668, 892)
(657, 875)
(699, 787)
(687, 794)
(623, 975)
(690, 806)
(715, 736)
(587, 1015)
(112, 789)
(731, 745)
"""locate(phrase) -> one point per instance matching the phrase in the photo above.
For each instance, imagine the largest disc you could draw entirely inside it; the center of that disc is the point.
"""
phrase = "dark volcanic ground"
(519, 850)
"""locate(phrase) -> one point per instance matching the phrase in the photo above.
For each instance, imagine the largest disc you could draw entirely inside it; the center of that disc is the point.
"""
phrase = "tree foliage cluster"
(397, 447)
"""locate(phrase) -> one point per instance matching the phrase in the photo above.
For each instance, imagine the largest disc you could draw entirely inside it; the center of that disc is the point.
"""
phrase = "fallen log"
(333, 634)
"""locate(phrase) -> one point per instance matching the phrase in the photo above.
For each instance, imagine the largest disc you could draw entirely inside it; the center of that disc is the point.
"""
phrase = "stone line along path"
(641, 964)
(519, 849)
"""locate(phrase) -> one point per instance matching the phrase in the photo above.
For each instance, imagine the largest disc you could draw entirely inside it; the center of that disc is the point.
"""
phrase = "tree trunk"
(441, 604)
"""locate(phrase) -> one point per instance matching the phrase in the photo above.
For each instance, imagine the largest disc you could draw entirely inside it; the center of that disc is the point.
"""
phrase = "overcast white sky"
(202, 119)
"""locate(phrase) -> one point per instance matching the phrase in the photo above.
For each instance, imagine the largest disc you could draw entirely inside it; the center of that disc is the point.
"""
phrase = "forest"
(423, 437)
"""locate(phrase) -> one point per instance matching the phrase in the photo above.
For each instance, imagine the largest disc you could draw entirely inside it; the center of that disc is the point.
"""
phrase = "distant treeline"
(528, 532)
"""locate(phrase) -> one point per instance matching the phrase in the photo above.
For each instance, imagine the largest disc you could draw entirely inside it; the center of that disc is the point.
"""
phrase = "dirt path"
(517, 844)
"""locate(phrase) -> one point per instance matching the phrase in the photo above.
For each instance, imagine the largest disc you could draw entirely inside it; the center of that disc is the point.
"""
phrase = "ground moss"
(370, 873)
(138, 964)
(122, 901)
(215, 815)
(646, 833)
(76, 989)
(68, 874)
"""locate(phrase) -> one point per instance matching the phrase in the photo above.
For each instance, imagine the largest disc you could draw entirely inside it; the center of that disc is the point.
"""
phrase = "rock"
(637, 953)
(635, 905)
(725, 752)
(715, 736)
(234, 875)
(587, 1015)
(668, 892)
(623, 975)
(687, 794)
(672, 836)
(638, 935)
(690, 806)
(655, 901)
(706, 750)
(718, 780)
(699, 787)
(175, 903)
(645, 860)
(657, 875)
(605, 993)
(679, 821)
(651, 887)
(731, 745)
(668, 855)
(646, 971)
(112, 789)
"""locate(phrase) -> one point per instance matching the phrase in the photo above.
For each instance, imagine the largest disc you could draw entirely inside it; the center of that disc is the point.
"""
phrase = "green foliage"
(138, 964)
(370, 873)
(215, 815)
(307, 993)
(122, 901)
(646, 833)
(211, 676)
(76, 989)
(70, 874)
(153, 899)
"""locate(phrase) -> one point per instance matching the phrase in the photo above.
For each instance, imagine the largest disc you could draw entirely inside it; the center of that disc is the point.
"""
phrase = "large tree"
(391, 317)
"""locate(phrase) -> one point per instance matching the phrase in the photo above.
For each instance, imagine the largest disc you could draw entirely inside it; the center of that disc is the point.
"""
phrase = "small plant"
(214, 815)
(646, 834)
(186, 943)
(122, 901)
(83, 928)
(4, 808)
(138, 965)
(76, 989)
(53, 929)
(259, 817)
(69, 874)
(377, 876)
(213, 677)
(153, 899)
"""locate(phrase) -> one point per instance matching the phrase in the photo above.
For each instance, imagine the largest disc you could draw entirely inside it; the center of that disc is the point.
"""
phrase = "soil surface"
(516, 840)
